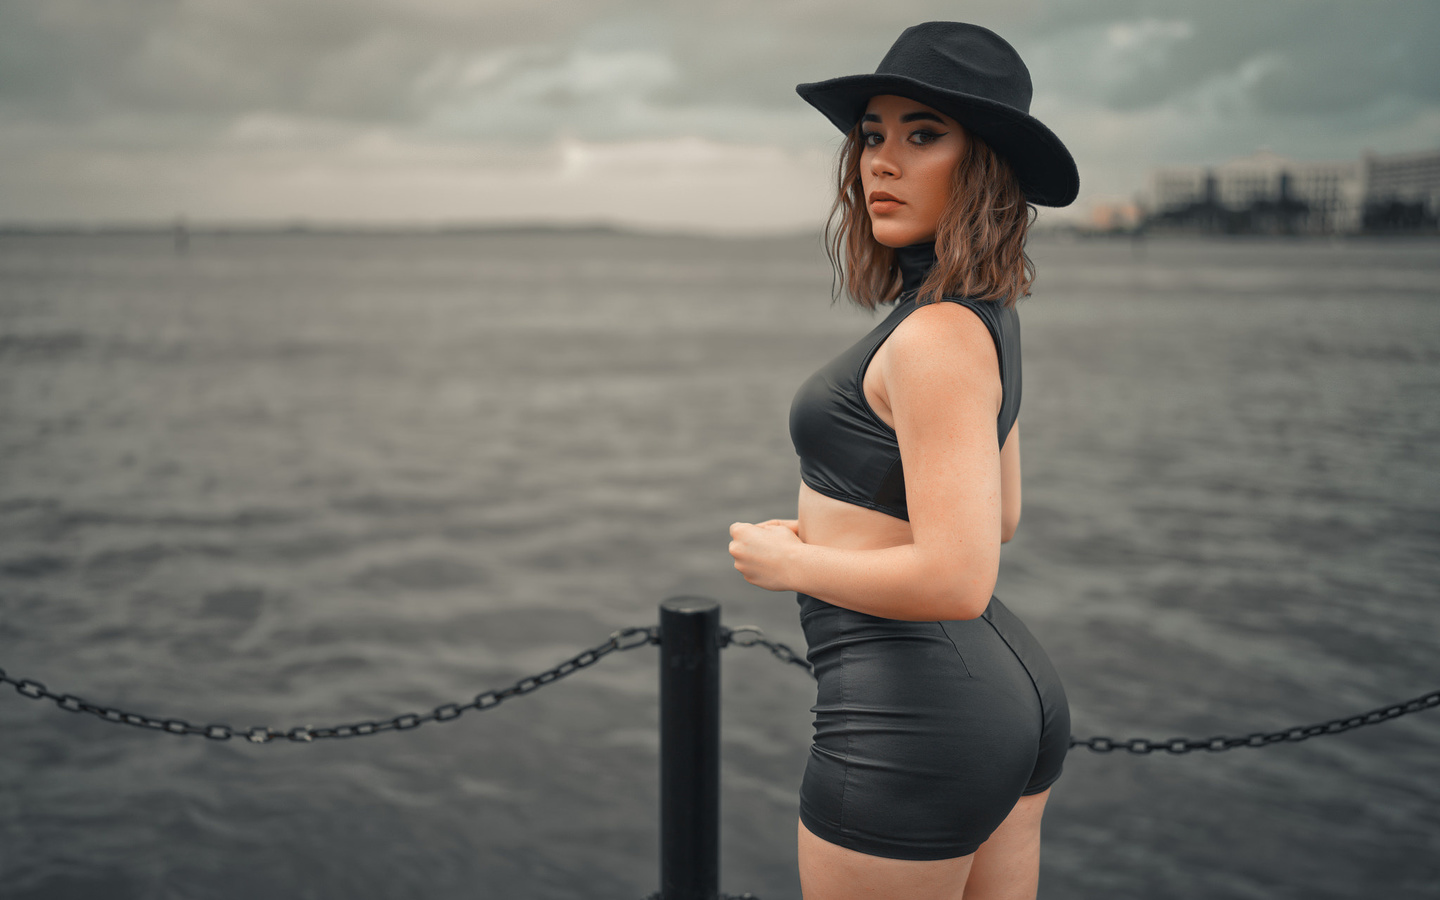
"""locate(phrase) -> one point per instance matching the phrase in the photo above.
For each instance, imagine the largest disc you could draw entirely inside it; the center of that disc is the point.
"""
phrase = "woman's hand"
(763, 551)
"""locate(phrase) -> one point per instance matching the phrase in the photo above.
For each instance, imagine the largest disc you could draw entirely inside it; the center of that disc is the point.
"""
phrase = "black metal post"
(689, 749)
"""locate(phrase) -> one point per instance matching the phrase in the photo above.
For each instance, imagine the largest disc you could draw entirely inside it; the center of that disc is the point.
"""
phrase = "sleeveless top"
(845, 450)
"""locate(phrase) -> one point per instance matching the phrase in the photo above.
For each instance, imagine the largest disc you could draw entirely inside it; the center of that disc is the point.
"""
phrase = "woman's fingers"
(792, 524)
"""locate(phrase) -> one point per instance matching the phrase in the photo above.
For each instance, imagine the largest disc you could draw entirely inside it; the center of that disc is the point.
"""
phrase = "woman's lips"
(884, 202)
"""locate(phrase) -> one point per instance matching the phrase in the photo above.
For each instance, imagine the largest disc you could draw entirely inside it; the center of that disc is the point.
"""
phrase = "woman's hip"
(984, 647)
(950, 679)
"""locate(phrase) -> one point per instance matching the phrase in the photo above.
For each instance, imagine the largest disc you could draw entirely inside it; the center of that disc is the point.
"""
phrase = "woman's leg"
(831, 872)
(1007, 865)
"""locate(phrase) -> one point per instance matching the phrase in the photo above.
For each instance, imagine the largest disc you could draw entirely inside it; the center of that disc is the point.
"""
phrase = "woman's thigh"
(831, 872)
(1007, 865)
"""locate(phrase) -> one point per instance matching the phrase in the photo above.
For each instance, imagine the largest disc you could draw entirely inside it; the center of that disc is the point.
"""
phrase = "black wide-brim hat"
(973, 76)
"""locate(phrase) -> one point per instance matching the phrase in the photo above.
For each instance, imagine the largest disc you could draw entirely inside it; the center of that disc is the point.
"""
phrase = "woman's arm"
(1010, 484)
(942, 379)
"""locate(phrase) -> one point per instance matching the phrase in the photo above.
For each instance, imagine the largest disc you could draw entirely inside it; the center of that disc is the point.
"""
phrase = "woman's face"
(909, 154)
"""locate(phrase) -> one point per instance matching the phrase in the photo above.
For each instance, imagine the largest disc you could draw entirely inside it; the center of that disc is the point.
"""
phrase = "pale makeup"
(910, 151)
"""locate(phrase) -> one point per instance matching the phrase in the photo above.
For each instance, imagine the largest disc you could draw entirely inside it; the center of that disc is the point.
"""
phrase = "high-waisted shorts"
(926, 733)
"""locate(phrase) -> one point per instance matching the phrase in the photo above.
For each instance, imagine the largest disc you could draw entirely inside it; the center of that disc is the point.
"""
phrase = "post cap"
(689, 604)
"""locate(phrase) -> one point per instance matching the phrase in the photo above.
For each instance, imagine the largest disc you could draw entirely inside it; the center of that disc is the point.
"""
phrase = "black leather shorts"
(926, 733)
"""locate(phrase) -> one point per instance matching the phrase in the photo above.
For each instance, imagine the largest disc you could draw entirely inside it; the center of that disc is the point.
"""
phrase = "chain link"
(621, 639)
(745, 896)
(1295, 733)
(780, 651)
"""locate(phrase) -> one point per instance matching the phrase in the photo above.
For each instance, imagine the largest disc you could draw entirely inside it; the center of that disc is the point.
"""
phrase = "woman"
(940, 723)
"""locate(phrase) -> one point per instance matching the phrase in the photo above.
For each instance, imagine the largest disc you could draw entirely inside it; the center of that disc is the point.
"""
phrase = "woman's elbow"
(1008, 524)
(953, 577)
(965, 595)
(1009, 491)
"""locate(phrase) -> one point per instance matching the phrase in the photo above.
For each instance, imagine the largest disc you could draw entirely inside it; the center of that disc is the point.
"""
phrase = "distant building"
(1116, 217)
(1402, 193)
(1266, 193)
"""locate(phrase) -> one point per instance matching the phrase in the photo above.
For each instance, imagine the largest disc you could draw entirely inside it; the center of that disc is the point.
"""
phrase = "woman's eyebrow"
(908, 117)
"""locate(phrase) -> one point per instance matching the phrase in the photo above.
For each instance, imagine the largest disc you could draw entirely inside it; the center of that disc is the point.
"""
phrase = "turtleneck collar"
(915, 262)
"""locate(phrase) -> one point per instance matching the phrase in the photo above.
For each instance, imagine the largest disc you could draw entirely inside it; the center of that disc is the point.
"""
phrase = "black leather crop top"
(845, 450)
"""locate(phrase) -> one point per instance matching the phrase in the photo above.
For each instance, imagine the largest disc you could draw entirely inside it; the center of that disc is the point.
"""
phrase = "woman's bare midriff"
(828, 522)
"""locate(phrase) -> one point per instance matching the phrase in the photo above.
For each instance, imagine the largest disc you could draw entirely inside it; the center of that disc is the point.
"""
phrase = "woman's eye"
(922, 136)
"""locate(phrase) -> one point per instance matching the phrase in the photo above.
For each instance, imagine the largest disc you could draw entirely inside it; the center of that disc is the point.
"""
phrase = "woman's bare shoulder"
(941, 338)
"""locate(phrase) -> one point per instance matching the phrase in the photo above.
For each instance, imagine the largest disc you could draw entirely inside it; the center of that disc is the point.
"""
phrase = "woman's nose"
(882, 164)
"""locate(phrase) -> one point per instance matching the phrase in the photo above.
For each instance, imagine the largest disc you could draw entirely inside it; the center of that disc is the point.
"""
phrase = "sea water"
(309, 479)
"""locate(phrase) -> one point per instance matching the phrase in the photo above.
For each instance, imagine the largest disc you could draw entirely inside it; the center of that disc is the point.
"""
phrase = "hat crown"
(957, 56)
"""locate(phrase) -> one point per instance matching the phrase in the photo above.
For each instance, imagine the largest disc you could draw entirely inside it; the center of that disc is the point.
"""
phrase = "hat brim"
(1045, 168)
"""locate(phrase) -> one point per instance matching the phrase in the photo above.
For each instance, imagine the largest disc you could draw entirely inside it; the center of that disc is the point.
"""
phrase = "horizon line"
(295, 225)
(298, 226)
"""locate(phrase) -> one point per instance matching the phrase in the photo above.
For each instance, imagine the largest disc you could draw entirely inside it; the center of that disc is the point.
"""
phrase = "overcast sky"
(656, 114)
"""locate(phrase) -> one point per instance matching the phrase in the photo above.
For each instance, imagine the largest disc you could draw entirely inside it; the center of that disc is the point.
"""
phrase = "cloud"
(1099, 63)
(185, 91)
(1132, 86)
(214, 58)
(1327, 55)
(590, 92)
(405, 62)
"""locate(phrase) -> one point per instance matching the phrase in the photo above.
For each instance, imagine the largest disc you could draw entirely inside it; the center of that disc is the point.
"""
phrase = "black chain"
(780, 651)
(621, 639)
(650, 634)
(1261, 738)
(745, 896)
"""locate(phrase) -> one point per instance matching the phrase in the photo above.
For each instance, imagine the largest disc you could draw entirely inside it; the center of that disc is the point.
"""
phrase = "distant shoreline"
(361, 229)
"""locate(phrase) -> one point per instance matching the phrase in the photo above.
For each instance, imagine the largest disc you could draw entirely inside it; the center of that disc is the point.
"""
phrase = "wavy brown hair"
(979, 241)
